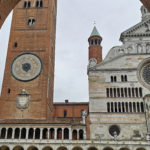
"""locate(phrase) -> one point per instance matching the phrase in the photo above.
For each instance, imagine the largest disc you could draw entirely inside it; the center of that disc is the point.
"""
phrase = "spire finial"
(94, 23)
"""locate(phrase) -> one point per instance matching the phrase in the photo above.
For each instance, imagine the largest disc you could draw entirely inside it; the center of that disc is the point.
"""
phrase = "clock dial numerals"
(26, 67)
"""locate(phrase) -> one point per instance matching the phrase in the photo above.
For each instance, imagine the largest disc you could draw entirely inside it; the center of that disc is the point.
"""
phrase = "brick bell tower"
(95, 48)
(27, 91)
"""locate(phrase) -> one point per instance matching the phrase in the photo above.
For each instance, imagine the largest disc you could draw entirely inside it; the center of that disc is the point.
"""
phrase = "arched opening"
(45, 134)
(129, 92)
(127, 108)
(119, 107)
(66, 133)
(140, 92)
(74, 135)
(138, 107)
(9, 134)
(142, 107)
(47, 148)
(112, 79)
(108, 107)
(17, 133)
(118, 92)
(133, 95)
(77, 148)
(32, 148)
(130, 106)
(140, 149)
(4, 148)
(124, 149)
(112, 107)
(62, 148)
(116, 107)
(111, 95)
(3, 133)
(114, 92)
(122, 92)
(52, 133)
(107, 91)
(23, 133)
(37, 133)
(134, 107)
(108, 148)
(59, 133)
(18, 148)
(81, 134)
(123, 107)
(30, 135)
(92, 148)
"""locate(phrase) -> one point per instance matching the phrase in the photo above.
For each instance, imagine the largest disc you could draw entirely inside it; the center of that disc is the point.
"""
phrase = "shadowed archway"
(18, 148)
(32, 148)
(77, 148)
(4, 147)
(108, 148)
(124, 148)
(92, 148)
(62, 148)
(47, 148)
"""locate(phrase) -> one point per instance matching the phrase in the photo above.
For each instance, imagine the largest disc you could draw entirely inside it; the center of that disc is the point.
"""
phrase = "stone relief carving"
(129, 49)
(148, 48)
(23, 99)
(147, 26)
(139, 48)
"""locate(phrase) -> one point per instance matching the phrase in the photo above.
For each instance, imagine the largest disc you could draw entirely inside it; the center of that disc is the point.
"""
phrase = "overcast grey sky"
(75, 20)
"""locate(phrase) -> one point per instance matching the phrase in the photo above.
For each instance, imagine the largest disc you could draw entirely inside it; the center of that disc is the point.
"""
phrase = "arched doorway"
(77, 148)
(47, 148)
(18, 148)
(92, 148)
(140, 149)
(4, 148)
(108, 148)
(62, 148)
(124, 149)
(32, 148)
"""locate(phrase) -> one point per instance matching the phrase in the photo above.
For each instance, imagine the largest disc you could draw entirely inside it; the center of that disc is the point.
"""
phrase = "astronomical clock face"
(26, 67)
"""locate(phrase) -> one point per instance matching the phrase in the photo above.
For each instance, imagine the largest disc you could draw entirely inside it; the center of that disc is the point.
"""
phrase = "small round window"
(114, 130)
